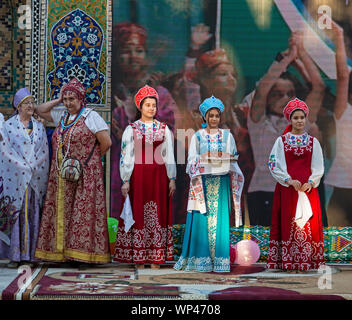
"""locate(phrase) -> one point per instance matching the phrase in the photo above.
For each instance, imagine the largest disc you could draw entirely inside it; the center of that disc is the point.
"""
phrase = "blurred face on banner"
(132, 56)
(221, 81)
(280, 94)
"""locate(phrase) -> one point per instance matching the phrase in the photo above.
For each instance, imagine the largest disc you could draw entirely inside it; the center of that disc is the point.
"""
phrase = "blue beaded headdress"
(210, 103)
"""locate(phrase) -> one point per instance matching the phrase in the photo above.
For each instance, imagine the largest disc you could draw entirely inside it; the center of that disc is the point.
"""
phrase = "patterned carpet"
(124, 282)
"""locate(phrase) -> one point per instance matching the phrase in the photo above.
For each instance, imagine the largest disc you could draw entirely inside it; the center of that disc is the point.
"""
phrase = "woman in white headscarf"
(24, 158)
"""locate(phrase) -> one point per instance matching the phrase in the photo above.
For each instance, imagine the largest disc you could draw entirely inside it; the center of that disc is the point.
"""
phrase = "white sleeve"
(255, 129)
(168, 155)
(56, 113)
(193, 163)
(277, 163)
(317, 165)
(231, 147)
(95, 122)
(247, 100)
(127, 154)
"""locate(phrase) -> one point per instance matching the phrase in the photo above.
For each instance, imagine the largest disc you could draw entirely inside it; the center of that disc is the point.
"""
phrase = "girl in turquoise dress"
(216, 180)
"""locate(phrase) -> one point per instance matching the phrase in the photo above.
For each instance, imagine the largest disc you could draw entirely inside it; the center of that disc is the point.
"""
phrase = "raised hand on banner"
(296, 39)
(199, 36)
(336, 29)
(292, 52)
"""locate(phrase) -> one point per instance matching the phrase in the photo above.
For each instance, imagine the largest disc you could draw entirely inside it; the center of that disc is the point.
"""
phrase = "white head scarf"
(24, 160)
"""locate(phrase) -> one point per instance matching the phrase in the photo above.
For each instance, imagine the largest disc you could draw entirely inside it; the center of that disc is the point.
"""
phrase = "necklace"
(64, 138)
(63, 128)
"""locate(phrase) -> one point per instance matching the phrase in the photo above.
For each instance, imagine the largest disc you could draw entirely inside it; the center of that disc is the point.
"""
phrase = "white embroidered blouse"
(150, 130)
(277, 161)
(201, 143)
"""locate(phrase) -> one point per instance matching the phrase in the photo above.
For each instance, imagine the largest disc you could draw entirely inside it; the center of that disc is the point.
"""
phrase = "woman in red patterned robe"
(296, 163)
(148, 171)
(74, 219)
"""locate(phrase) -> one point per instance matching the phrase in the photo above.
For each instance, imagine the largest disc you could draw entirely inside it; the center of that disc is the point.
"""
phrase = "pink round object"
(247, 252)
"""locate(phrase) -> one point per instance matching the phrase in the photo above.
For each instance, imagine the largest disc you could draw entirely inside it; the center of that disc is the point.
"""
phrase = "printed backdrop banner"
(190, 50)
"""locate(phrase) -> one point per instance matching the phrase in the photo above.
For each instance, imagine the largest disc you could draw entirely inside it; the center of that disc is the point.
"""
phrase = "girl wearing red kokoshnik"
(148, 171)
(296, 163)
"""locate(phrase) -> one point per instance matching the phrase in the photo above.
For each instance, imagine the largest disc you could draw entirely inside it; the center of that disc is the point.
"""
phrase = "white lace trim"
(298, 144)
(150, 242)
(203, 264)
(299, 252)
(152, 131)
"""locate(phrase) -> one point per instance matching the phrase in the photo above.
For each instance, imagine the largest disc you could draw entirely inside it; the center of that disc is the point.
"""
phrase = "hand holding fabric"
(296, 184)
(125, 189)
(172, 187)
(307, 187)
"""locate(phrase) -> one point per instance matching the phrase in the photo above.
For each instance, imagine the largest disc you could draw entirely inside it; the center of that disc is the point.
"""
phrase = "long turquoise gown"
(206, 243)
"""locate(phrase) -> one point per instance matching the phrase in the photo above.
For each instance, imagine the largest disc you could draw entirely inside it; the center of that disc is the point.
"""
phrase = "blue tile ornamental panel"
(77, 40)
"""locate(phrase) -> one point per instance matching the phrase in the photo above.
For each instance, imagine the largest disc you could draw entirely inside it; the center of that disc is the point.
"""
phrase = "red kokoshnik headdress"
(77, 87)
(127, 31)
(209, 60)
(292, 106)
(145, 92)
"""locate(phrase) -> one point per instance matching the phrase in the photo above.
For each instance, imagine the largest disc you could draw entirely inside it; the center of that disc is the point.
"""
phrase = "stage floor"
(124, 281)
